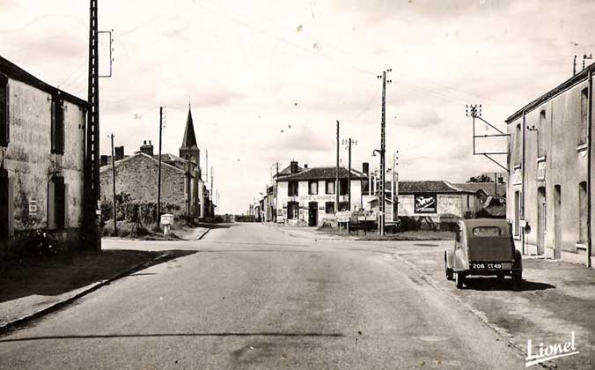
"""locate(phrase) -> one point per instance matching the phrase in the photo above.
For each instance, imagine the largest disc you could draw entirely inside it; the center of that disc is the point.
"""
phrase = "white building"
(308, 195)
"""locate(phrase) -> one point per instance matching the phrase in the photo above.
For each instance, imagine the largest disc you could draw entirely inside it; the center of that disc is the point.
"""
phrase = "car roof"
(485, 222)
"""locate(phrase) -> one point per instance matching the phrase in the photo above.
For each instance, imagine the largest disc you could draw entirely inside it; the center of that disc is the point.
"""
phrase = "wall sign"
(425, 203)
(32, 208)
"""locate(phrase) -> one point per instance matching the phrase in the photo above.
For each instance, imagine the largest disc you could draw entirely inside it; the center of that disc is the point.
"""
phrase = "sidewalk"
(557, 298)
(31, 288)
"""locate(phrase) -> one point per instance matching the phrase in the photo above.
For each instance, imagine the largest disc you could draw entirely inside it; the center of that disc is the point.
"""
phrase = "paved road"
(262, 297)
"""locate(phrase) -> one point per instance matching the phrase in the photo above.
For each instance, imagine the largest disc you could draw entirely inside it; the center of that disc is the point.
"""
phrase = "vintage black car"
(483, 247)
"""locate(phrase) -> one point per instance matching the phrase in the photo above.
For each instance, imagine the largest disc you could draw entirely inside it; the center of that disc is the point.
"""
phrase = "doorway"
(541, 220)
(557, 222)
(313, 214)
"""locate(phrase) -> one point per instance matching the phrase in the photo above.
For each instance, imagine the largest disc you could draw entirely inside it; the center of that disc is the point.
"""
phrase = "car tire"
(517, 280)
(460, 278)
(449, 272)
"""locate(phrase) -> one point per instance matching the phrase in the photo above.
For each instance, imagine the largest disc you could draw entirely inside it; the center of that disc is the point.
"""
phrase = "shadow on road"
(64, 273)
(492, 283)
(159, 335)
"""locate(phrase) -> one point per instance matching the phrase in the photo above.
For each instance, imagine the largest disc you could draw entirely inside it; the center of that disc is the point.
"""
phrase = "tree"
(481, 178)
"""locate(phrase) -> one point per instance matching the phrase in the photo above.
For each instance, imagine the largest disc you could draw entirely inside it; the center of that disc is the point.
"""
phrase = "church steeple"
(189, 141)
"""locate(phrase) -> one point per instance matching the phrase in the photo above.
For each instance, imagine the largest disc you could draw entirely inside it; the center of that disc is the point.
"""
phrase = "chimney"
(366, 168)
(147, 148)
(293, 167)
(119, 152)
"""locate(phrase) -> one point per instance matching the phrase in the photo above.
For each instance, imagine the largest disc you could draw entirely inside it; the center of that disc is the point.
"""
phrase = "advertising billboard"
(425, 203)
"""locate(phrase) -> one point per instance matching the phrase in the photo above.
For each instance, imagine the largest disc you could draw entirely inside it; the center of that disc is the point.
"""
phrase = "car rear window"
(487, 231)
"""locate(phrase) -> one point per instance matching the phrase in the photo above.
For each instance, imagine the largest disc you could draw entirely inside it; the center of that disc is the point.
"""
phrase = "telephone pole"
(349, 142)
(383, 151)
(114, 185)
(92, 153)
(337, 187)
(159, 168)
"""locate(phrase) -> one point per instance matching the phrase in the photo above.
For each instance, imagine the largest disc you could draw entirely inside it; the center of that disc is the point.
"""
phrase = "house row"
(551, 171)
(308, 196)
(42, 157)
(182, 183)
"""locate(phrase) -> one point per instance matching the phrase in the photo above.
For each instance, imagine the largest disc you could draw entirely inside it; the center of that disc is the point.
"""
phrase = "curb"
(15, 324)
(468, 307)
(203, 234)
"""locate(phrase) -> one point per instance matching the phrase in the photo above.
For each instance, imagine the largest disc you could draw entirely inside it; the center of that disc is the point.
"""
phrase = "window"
(293, 188)
(518, 141)
(313, 187)
(4, 118)
(468, 197)
(57, 126)
(487, 231)
(329, 207)
(584, 116)
(343, 206)
(293, 209)
(582, 199)
(541, 135)
(343, 187)
(330, 186)
(517, 212)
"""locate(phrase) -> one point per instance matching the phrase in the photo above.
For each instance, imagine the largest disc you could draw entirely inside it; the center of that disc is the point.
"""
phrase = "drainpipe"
(589, 159)
(523, 189)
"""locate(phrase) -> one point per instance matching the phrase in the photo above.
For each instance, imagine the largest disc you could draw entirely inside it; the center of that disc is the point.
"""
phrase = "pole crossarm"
(492, 126)
(495, 161)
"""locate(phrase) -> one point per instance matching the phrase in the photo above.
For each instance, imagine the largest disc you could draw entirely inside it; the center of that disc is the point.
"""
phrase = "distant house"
(308, 196)
(434, 204)
(181, 177)
(42, 156)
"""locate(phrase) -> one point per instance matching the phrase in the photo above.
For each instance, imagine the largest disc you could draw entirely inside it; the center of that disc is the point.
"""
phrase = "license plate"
(490, 266)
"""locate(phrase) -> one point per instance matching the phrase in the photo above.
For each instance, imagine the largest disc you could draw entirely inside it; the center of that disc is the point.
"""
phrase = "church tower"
(190, 152)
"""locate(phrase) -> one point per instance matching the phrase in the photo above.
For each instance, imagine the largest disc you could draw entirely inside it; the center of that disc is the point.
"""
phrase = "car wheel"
(460, 278)
(449, 272)
(517, 280)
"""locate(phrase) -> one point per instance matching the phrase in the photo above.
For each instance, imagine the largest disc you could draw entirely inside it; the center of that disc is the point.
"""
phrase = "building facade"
(181, 177)
(550, 165)
(42, 156)
(308, 197)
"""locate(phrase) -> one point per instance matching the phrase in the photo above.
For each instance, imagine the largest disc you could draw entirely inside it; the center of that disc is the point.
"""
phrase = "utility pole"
(159, 168)
(395, 190)
(574, 66)
(337, 187)
(114, 185)
(383, 151)
(349, 142)
(211, 195)
(92, 153)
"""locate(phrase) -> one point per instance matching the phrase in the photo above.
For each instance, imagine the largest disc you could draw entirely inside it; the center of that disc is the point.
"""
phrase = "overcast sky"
(267, 79)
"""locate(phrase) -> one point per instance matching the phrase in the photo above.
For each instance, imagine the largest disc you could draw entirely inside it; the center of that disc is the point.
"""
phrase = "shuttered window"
(4, 117)
(57, 126)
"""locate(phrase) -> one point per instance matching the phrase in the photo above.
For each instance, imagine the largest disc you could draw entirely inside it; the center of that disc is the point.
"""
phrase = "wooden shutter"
(4, 111)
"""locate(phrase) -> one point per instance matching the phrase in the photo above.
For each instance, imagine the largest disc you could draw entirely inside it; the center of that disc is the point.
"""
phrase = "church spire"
(189, 141)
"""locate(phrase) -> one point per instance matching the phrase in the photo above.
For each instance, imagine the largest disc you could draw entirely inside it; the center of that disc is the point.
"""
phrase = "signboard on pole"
(344, 216)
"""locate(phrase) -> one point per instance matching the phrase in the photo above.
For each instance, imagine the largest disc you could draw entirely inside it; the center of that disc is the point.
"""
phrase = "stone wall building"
(550, 165)
(181, 177)
(42, 155)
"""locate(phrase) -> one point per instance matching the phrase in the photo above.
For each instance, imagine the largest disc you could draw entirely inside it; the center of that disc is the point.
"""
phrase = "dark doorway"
(541, 220)
(313, 214)
(5, 205)
(59, 203)
(557, 221)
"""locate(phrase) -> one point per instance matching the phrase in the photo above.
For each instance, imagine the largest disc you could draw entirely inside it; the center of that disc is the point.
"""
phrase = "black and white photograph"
(297, 184)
